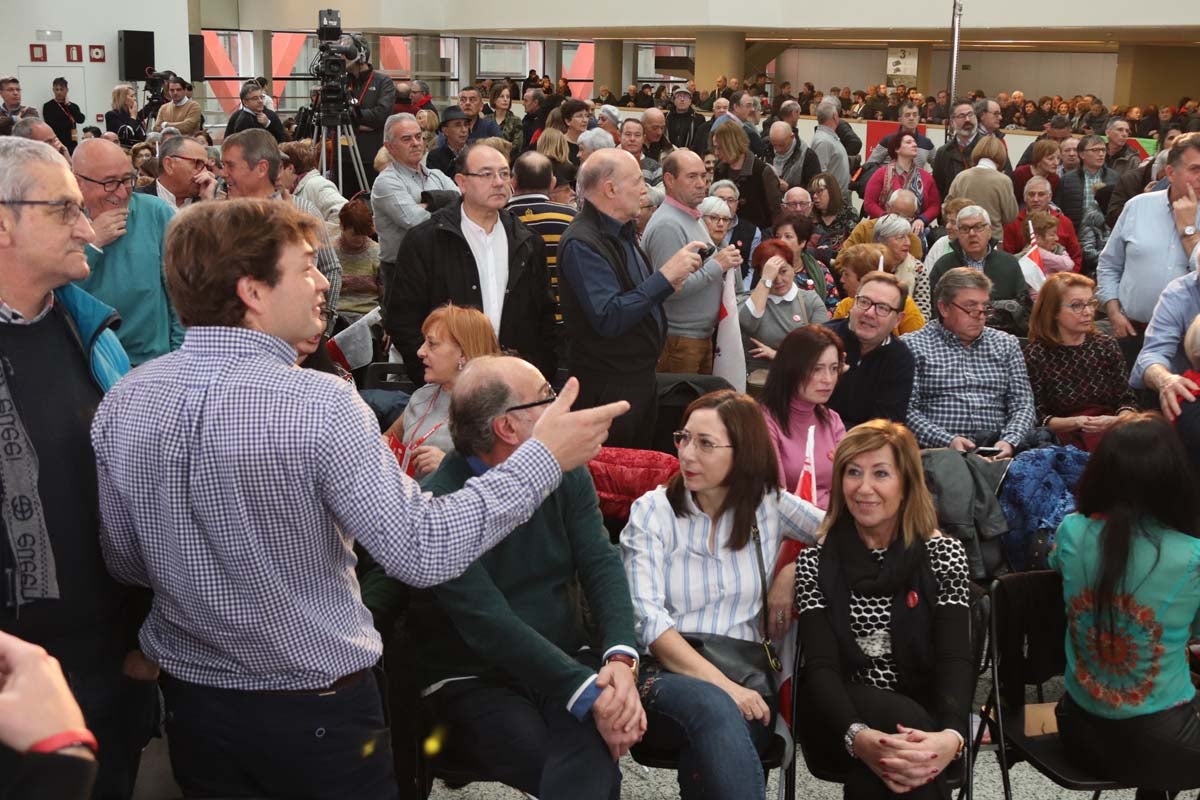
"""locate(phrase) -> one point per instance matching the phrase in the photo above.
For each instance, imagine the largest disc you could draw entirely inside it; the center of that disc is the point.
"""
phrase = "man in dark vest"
(612, 298)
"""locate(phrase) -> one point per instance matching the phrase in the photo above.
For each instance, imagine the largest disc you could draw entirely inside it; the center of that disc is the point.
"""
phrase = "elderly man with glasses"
(183, 175)
(126, 255)
(503, 657)
(474, 252)
(62, 356)
(975, 249)
(970, 388)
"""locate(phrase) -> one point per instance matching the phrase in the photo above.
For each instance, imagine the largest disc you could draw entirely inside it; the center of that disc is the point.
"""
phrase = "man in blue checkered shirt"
(235, 484)
(970, 386)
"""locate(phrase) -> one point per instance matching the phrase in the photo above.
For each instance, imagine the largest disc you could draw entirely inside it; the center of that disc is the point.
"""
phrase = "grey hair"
(903, 194)
(595, 139)
(958, 279)
(724, 184)
(610, 113)
(170, 130)
(1036, 179)
(23, 128)
(422, 85)
(890, 225)
(656, 194)
(472, 413)
(16, 156)
(973, 211)
(247, 88)
(394, 120)
(1191, 343)
(714, 205)
(153, 137)
(257, 145)
(172, 146)
(1112, 122)
(537, 96)
(789, 107)
(827, 110)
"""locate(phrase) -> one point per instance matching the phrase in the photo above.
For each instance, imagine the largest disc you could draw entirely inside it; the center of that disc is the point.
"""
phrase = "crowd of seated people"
(572, 252)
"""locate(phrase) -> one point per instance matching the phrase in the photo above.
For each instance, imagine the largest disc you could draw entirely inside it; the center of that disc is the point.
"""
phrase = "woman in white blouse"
(692, 558)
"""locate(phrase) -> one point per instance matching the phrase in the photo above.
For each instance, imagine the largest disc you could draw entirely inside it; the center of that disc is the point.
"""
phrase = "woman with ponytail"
(1130, 561)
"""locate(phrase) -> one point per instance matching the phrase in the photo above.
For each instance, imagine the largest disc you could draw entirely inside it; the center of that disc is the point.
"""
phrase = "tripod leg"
(356, 159)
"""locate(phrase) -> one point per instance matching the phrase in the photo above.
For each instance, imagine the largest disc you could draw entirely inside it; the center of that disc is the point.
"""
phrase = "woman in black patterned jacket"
(883, 604)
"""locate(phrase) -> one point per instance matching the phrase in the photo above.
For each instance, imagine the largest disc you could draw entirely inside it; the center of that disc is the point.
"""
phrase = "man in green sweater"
(127, 255)
(502, 653)
(975, 249)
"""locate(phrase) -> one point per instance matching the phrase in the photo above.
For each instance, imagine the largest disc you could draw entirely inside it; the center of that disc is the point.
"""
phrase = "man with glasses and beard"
(126, 255)
(475, 253)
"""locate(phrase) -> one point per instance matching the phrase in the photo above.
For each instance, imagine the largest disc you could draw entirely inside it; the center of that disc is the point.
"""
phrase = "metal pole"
(955, 29)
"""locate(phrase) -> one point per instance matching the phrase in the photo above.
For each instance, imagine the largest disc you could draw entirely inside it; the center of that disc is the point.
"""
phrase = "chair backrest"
(622, 475)
(1029, 626)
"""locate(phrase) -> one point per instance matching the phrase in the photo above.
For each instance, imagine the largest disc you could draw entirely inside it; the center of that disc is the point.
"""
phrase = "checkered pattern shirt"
(327, 257)
(964, 390)
(234, 484)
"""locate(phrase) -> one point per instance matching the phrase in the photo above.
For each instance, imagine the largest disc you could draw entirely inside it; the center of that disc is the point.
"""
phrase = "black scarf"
(847, 565)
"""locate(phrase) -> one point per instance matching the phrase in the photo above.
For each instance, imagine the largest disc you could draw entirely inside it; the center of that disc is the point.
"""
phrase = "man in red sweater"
(1037, 198)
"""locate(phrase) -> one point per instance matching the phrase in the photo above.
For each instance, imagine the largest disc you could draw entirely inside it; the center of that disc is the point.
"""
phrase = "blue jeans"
(718, 748)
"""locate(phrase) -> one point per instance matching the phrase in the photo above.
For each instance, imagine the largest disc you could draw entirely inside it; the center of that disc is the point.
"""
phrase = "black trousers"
(1158, 752)
(634, 428)
(524, 740)
(325, 744)
(883, 710)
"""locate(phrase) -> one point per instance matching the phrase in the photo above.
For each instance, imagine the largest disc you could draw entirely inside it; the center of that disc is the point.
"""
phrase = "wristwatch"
(1190, 230)
(627, 660)
(854, 730)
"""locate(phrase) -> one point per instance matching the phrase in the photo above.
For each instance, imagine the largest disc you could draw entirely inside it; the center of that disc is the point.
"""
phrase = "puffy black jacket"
(686, 130)
(434, 266)
(1069, 197)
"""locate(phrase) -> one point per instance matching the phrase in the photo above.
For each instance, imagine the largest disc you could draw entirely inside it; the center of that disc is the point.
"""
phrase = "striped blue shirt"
(234, 484)
(677, 582)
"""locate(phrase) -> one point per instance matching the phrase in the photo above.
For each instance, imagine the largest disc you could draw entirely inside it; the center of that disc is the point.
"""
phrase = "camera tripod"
(340, 128)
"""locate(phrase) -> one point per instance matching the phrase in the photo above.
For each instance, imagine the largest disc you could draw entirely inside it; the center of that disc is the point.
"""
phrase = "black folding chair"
(1027, 649)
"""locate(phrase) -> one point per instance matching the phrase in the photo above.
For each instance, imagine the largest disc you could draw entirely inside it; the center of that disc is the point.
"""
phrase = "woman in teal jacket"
(1130, 561)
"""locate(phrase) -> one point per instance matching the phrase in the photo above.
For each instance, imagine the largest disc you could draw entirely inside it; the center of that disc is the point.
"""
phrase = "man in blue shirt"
(612, 298)
(236, 486)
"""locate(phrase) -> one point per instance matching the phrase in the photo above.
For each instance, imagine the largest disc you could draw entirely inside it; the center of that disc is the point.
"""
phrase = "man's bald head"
(903, 202)
(611, 180)
(95, 162)
(781, 137)
(533, 172)
(481, 423)
(721, 105)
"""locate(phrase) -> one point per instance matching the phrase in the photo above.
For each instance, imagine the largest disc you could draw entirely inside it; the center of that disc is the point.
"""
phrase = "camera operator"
(376, 94)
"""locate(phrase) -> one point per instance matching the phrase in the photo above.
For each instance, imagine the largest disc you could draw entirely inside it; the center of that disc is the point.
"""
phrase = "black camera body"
(329, 68)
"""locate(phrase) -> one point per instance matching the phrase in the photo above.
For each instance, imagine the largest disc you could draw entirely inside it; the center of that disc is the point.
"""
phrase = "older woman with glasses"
(833, 218)
(892, 231)
(883, 604)
(1080, 383)
(722, 514)
(715, 214)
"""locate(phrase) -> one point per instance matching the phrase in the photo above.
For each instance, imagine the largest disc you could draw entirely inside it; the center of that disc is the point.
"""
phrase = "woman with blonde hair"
(1078, 374)
(883, 605)
(428, 120)
(554, 146)
(986, 184)
(755, 179)
(122, 118)
(453, 336)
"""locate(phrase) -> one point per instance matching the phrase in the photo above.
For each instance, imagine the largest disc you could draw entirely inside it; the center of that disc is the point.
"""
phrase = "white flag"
(729, 360)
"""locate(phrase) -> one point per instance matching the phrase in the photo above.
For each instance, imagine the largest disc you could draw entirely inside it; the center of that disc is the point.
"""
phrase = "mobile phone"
(706, 252)
(986, 452)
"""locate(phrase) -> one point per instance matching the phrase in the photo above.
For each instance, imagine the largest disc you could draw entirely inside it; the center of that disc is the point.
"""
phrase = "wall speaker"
(135, 53)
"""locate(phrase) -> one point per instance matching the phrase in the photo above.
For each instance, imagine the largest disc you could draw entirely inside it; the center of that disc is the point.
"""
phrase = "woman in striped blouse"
(691, 553)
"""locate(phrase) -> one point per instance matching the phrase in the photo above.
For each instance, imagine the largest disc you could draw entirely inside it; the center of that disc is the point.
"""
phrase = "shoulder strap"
(768, 645)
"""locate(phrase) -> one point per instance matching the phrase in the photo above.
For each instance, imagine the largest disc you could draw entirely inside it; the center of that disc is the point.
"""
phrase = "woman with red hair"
(777, 304)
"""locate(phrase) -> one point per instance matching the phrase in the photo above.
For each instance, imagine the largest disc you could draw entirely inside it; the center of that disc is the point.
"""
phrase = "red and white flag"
(806, 489)
(729, 360)
(353, 347)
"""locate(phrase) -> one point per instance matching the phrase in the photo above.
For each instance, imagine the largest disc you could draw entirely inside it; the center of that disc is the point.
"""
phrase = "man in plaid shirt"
(235, 485)
(970, 387)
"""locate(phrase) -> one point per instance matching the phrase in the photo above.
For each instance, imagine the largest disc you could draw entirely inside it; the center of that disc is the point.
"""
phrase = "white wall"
(826, 68)
(87, 22)
(1032, 72)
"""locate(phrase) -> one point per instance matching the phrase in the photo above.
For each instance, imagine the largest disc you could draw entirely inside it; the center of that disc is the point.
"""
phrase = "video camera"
(155, 83)
(335, 51)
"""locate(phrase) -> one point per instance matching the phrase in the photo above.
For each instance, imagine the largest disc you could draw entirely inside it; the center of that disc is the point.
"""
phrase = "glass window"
(431, 58)
(647, 71)
(511, 58)
(579, 68)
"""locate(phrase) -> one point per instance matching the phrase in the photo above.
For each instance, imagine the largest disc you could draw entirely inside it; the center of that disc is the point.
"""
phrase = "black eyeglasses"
(201, 163)
(68, 210)
(545, 401)
(976, 312)
(112, 184)
(863, 303)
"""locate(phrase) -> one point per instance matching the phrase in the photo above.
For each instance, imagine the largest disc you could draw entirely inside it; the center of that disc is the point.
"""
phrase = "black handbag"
(751, 665)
